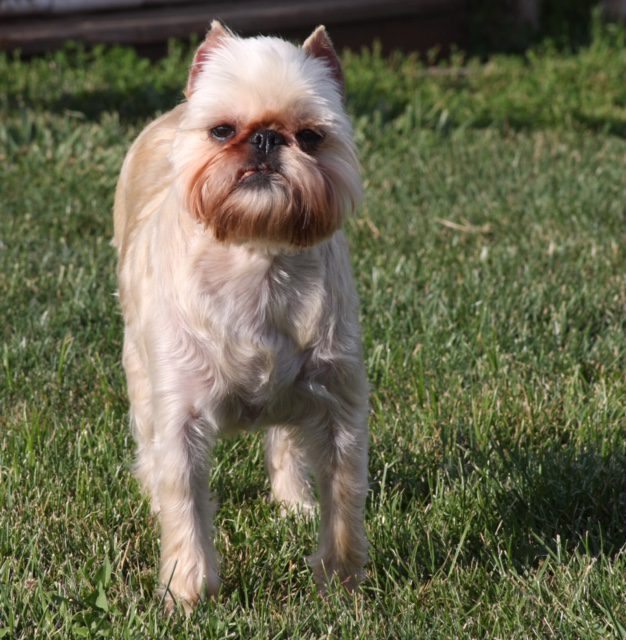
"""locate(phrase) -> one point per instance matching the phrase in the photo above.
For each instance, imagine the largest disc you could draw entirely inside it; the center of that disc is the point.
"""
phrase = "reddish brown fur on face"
(300, 214)
(299, 206)
(204, 193)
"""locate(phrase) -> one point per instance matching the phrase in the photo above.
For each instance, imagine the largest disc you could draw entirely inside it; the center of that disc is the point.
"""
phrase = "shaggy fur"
(239, 306)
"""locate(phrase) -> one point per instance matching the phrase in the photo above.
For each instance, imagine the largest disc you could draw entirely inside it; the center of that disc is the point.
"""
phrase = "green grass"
(489, 259)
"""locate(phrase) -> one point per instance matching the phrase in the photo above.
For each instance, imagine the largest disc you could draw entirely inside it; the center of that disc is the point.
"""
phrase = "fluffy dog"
(238, 300)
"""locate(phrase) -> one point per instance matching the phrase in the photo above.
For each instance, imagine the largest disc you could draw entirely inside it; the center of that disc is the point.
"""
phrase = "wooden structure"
(35, 26)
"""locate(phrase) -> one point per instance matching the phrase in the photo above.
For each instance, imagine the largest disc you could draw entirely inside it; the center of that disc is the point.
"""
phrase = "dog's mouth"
(257, 175)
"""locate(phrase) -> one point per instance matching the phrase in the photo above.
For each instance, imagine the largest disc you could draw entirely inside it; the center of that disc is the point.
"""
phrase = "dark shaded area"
(135, 87)
(532, 504)
(479, 27)
(408, 25)
(139, 89)
(496, 26)
(140, 103)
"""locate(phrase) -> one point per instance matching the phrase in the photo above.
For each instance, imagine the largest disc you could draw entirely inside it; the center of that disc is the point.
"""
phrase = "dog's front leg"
(188, 557)
(340, 465)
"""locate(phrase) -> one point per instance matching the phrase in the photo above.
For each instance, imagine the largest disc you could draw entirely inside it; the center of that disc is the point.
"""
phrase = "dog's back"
(146, 174)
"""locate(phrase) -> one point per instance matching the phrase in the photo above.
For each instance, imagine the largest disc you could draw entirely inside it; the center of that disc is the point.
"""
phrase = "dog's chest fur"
(260, 319)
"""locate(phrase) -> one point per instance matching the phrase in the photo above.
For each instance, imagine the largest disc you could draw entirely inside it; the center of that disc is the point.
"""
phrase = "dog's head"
(264, 150)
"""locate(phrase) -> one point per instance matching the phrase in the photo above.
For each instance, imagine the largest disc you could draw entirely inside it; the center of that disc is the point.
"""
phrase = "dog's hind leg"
(288, 470)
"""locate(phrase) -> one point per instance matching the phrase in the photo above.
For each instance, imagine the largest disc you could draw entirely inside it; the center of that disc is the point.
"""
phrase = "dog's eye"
(223, 132)
(308, 139)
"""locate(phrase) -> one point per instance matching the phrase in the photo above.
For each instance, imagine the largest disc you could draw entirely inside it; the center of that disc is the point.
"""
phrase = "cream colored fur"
(229, 335)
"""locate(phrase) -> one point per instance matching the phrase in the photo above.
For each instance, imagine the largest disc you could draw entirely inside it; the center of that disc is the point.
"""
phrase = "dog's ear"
(214, 38)
(318, 45)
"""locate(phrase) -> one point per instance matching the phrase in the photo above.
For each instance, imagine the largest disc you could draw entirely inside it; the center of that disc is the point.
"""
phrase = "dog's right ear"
(214, 38)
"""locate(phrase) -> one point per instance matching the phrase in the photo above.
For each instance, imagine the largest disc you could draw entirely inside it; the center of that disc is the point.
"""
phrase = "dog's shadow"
(473, 504)
(514, 505)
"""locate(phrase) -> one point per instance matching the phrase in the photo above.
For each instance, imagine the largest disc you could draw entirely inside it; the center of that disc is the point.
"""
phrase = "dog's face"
(265, 151)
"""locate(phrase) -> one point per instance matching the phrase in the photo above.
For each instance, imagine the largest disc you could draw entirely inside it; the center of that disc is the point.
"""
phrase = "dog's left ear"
(318, 45)
(214, 38)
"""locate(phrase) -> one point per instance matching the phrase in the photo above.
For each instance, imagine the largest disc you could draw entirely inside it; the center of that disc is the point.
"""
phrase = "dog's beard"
(298, 202)
(283, 190)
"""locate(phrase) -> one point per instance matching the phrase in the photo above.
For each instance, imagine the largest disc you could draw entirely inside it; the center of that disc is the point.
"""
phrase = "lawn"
(489, 259)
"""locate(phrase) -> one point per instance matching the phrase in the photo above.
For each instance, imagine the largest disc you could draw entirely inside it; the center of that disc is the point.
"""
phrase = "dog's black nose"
(265, 140)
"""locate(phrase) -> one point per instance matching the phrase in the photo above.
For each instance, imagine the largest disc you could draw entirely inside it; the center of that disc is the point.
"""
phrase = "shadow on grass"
(562, 492)
(145, 102)
(508, 505)
(394, 89)
(142, 103)
(612, 125)
(95, 81)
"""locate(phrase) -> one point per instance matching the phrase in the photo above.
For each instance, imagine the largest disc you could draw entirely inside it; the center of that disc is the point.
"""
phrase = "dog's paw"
(305, 508)
(185, 582)
(329, 569)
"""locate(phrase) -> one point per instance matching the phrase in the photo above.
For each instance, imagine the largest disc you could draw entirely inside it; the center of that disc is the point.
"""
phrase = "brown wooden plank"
(155, 24)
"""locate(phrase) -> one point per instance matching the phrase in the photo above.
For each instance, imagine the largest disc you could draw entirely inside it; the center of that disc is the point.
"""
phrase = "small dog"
(238, 300)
